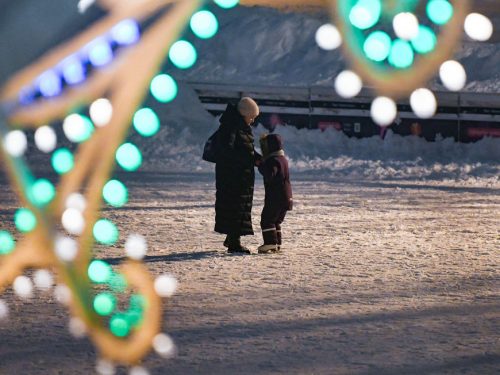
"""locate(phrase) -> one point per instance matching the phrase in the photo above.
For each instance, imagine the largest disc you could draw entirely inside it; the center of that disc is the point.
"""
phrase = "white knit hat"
(248, 107)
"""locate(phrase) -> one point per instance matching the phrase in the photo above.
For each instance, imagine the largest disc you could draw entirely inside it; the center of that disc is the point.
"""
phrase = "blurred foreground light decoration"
(96, 91)
(397, 47)
(92, 89)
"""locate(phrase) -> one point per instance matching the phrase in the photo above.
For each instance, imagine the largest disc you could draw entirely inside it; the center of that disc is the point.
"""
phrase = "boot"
(270, 241)
(234, 245)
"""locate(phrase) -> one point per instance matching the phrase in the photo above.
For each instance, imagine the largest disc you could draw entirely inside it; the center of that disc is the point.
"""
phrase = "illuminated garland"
(120, 310)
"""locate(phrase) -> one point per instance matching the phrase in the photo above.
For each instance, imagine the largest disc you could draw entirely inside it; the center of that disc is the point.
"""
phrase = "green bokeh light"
(164, 88)
(425, 41)
(105, 232)
(104, 304)
(146, 122)
(85, 131)
(115, 193)
(42, 192)
(119, 325)
(24, 220)
(377, 46)
(365, 13)
(401, 55)
(439, 11)
(118, 283)
(99, 271)
(129, 157)
(62, 161)
(7, 243)
(204, 24)
(227, 4)
(183, 54)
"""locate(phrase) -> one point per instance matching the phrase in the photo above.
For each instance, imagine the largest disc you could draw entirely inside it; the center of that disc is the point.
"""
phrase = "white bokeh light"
(405, 25)
(43, 279)
(45, 139)
(423, 103)
(23, 287)
(453, 75)
(348, 84)
(4, 310)
(15, 143)
(76, 201)
(165, 285)
(136, 247)
(74, 127)
(73, 221)
(328, 37)
(62, 294)
(77, 328)
(101, 112)
(105, 367)
(138, 370)
(383, 111)
(164, 345)
(478, 27)
(66, 248)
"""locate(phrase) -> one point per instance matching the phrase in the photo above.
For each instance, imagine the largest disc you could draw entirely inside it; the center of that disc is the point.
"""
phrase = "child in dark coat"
(278, 199)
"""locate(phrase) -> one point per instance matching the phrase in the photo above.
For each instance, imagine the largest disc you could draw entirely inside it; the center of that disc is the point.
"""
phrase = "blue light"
(126, 32)
(26, 95)
(49, 84)
(100, 52)
(73, 71)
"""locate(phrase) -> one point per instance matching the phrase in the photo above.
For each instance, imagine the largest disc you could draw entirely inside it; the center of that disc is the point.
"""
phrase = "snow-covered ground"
(376, 277)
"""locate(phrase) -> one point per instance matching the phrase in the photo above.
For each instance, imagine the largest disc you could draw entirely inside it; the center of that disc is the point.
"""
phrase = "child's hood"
(271, 143)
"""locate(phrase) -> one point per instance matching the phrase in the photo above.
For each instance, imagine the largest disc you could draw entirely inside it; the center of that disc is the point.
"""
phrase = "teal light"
(62, 161)
(119, 325)
(7, 243)
(129, 157)
(182, 54)
(227, 4)
(365, 14)
(439, 11)
(425, 41)
(42, 192)
(118, 283)
(204, 24)
(105, 232)
(377, 46)
(115, 193)
(99, 271)
(85, 130)
(146, 122)
(401, 55)
(164, 88)
(24, 220)
(104, 304)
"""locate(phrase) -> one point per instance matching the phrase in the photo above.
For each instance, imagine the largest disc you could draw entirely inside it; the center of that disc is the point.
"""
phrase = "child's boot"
(278, 235)
(270, 241)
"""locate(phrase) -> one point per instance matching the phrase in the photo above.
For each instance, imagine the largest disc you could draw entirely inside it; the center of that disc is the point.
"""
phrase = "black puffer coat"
(235, 175)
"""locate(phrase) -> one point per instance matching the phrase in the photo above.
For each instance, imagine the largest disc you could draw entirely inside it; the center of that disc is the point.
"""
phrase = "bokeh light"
(23, 287)
(377, 46)
(7, 243)
(73, 70)
(478, 27)
(43, 279)
(115, 193)
(42, 192)
(401, 55)
(66, 248)
(99, 271)
(439, 11)
(164, 88)
(136, 247)
(425, 41)
(226, 4)
(164, 345)
(405, 25)
(126, 32)
(99, 52)
(73, 221)
(423, 103)
(383, 111)
(104, 303)
(453, 75)
(101, 112)
(365, 13)
(24, 220)
(45, 139)
(15, 143)
(119, 325)
(348, 84)
(183, 54)
(62, 161)
(204, 24)
(129, 157)
(77, 128)
(49, 83)
(328, 37)
(146, 122)
(105, 232)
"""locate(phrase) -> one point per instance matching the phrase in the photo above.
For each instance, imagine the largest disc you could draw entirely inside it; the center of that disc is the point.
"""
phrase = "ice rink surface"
(376, 277)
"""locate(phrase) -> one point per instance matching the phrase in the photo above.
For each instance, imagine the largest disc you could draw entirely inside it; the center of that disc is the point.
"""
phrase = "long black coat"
(235, 175)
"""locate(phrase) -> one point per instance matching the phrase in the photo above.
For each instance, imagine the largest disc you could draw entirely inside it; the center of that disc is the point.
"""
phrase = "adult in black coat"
(235, 174)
